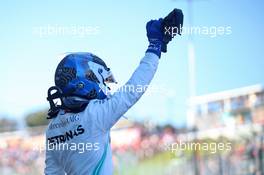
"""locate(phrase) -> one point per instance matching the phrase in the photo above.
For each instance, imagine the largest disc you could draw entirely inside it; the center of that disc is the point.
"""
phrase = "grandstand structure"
(234, 107)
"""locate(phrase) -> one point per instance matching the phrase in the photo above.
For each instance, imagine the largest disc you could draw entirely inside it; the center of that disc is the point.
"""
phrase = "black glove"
(171, 25)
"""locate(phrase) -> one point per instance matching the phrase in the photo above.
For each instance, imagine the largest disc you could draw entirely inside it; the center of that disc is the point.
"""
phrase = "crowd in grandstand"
(19, 156)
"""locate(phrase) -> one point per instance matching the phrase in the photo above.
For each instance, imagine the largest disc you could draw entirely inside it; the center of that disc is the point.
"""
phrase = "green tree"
(37, 118)
(7, 124)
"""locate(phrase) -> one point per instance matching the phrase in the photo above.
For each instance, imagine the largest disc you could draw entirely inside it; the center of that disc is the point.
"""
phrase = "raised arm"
(109, 110)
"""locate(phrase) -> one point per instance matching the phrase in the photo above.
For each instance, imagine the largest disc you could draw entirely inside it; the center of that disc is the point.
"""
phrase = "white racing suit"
(79, 144)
